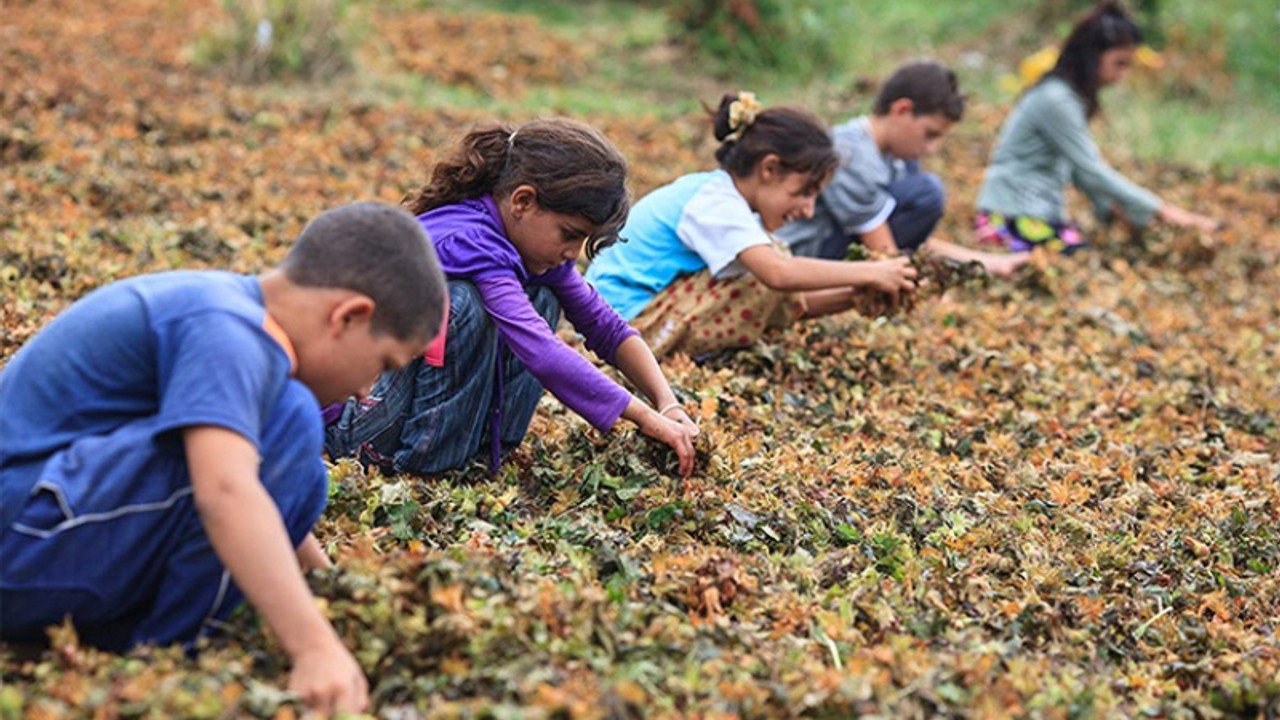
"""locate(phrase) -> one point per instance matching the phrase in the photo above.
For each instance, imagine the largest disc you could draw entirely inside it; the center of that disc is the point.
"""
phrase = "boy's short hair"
(382, 252)
(930, 86)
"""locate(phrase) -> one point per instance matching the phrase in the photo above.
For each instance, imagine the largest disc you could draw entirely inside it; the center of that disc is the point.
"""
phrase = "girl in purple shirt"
(509, 212)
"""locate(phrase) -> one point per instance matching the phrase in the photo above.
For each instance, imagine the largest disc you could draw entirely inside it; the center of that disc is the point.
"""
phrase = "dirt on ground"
(1053, 496)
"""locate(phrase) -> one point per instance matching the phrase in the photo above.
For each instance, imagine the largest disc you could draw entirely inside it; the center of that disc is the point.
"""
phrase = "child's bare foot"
(1004, 266)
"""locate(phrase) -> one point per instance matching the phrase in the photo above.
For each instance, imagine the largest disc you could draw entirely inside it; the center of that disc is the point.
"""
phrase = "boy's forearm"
(880, 240)
(245, 529)
(820, 303)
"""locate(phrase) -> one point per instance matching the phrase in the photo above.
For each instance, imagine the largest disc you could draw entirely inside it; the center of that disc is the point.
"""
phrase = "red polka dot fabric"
(698, 314)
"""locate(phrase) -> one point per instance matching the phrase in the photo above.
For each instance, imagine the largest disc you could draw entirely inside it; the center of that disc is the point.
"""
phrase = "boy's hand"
(329, 680)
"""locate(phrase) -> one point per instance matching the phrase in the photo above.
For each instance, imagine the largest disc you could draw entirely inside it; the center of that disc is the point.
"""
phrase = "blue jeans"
(424, 420)
(130, 562)
(919, 201)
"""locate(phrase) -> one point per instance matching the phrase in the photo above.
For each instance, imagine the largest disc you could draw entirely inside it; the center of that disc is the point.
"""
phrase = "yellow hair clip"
(742, 112)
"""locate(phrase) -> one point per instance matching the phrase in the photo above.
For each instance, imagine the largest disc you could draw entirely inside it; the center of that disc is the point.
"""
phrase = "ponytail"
(748, 133)
(573, 168)
(472, 170)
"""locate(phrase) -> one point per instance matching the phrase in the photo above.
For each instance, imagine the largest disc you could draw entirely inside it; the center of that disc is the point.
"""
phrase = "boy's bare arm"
(880, 240)
(246, 531)
(820, 303)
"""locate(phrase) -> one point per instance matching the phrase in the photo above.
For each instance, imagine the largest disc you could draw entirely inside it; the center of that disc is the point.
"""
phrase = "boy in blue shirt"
(879, 196)
(160, 447)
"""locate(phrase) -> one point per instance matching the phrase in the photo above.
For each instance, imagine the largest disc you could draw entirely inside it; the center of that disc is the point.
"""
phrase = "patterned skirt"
(698, 314)
(1020, 233)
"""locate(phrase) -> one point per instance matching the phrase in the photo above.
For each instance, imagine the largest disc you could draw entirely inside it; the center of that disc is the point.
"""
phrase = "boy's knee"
(932, 193)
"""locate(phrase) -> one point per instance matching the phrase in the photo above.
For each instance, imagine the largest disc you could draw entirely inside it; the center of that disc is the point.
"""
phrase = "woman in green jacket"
(1045, 143)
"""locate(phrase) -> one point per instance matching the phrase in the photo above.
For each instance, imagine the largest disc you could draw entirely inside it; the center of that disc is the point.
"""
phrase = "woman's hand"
(1175, 215)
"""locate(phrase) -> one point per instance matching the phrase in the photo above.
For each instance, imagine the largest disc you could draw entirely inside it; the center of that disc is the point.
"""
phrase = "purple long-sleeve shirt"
(472, 245)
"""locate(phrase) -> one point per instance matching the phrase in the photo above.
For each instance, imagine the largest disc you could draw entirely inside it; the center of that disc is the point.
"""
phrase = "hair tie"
(511, 139)
(742, 113)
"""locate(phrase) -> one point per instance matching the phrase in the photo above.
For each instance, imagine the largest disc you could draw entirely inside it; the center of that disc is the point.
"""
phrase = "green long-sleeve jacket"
(1045, 142)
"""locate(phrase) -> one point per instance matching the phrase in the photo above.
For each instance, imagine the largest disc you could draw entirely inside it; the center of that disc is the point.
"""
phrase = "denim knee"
(546, 303)
(466, 311)
(932, 194)
(921, 201)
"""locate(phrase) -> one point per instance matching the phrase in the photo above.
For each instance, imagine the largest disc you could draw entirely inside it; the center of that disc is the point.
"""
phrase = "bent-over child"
(1045, 143)
(879, 196)
(698, 269)
(509, 212)
(162, 442)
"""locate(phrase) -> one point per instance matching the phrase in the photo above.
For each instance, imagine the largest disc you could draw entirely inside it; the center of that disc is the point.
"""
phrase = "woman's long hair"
(1103, 27)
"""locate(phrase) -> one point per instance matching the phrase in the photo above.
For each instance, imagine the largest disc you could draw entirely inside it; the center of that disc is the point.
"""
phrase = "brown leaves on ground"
(1053, 496)
(497, 54)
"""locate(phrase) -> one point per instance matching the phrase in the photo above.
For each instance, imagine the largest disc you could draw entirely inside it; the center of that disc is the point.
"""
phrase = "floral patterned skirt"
(1020, 233)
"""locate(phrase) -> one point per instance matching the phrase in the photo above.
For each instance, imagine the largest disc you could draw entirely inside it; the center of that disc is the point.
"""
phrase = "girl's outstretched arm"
(668, 423)
(789, 274)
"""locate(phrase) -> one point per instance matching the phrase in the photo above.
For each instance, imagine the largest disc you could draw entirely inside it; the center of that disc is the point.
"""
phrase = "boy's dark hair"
(1103, 27)
(931, 87)
(382, 252)
(574, 169)
(796, 136)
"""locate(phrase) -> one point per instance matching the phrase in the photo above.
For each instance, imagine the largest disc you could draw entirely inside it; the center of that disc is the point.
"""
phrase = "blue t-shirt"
(128, 365)
(699, 221)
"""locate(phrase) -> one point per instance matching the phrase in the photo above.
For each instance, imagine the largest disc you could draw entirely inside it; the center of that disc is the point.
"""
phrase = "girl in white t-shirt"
(699, 270)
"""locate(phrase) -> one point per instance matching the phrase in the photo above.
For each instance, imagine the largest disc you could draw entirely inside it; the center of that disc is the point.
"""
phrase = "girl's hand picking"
(678, 435)
(680, 415)
(893, 276)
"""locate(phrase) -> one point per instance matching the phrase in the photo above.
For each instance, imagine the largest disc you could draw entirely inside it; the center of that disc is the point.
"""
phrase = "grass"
(1050, 497)
(1153, 127)
(1222, 79)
